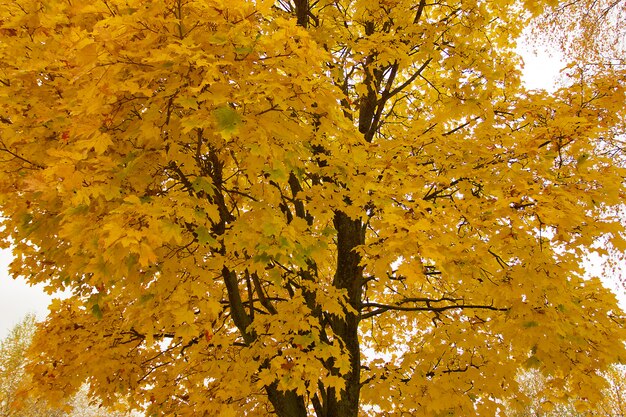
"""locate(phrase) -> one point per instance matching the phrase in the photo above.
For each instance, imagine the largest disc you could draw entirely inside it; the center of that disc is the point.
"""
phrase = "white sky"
(541, 69)
(17, 298)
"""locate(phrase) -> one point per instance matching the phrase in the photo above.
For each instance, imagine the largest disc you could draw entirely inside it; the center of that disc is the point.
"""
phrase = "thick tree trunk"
(302, 12)
(348, 276)
(286, 404)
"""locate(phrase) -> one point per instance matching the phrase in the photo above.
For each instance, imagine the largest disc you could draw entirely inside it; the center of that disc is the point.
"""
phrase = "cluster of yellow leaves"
(184, 168)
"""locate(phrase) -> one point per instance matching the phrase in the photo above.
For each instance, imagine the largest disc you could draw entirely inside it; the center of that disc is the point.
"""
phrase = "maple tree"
(330, 208)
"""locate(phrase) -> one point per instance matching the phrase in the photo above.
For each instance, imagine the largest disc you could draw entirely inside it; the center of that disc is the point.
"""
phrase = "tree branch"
(16, 156)
(409, 80)
(265, 302)
(237, 309)
(382, 308)
(420, 10)
(380, 105)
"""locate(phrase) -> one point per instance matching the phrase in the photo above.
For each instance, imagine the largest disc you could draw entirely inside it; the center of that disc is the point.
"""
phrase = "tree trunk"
(286, 404)
(348, 276)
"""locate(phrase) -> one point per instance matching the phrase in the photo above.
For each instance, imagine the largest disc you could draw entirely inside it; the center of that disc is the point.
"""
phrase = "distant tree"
(84, 405)
(15, 400)
(613, 403)
(540, 396)
(590, 32)
(536, 398)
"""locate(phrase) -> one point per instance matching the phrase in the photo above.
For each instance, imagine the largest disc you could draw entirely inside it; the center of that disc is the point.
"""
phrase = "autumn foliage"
(293, 208)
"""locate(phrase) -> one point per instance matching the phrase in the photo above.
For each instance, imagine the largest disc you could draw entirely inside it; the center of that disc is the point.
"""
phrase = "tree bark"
(302, 12)
(348, 276)
(286, 404)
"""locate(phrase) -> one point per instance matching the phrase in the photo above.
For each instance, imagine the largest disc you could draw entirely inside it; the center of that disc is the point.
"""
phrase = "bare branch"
(408, 81)
(16, 156)
(420, 10)
(382, 308)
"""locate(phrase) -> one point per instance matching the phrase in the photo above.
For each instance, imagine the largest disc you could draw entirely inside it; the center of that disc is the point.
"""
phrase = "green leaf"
(145, 298)
(96, 311)
(204, 235)
(227, 120)
(201, 184)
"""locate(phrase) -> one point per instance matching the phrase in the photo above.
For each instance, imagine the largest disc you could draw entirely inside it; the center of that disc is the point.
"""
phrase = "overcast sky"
(17, 298)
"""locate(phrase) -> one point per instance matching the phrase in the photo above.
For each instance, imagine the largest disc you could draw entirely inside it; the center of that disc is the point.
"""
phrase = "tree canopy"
(328, 208)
